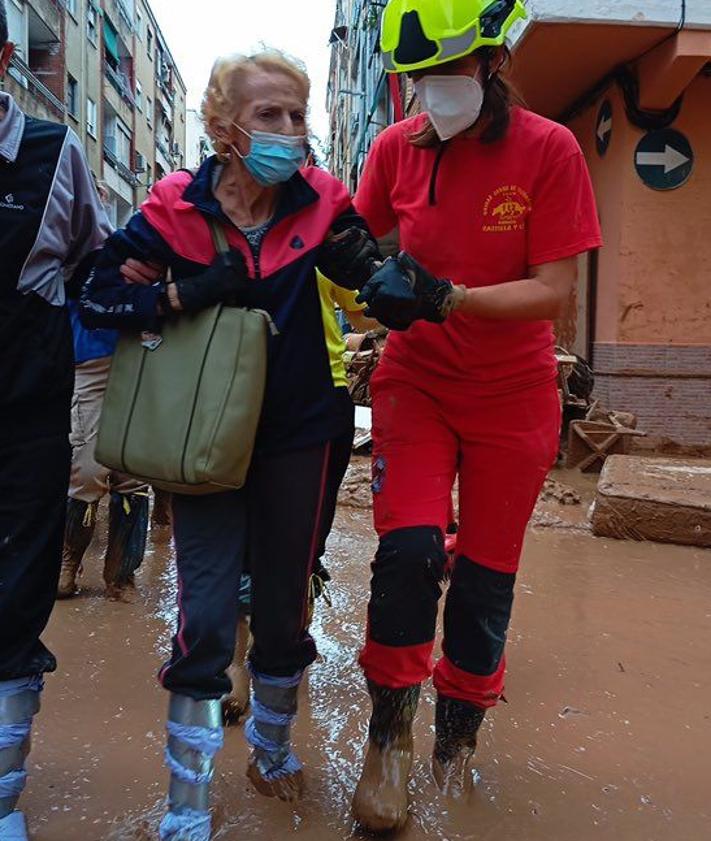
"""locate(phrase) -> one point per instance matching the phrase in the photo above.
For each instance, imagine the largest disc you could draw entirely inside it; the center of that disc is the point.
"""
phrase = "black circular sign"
(603, 128)
(664, 159)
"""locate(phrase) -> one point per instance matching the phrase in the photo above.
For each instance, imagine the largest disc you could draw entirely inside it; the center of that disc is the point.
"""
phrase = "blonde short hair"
(223, 94)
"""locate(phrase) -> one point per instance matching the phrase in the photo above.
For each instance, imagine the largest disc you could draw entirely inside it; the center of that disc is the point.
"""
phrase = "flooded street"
(606, 734)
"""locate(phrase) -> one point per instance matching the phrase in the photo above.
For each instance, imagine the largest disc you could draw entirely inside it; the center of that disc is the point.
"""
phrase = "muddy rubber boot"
(381, 801)
(274, 770)
(236, 704)
(457, 724)
(195, 736)
(19, 703)
(78, 532)
(128, 530)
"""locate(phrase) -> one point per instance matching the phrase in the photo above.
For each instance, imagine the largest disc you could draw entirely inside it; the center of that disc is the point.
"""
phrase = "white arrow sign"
(604, 129)
(670, 159)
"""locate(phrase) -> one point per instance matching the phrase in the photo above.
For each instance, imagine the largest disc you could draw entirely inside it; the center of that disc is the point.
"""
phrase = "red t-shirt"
(484, 216)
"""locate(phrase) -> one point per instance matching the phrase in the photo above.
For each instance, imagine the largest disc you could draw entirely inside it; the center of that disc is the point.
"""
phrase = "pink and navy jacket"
(302, 406)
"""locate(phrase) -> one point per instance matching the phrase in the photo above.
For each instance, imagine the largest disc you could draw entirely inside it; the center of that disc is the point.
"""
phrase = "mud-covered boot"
(457, 724)
(78, 532)
(236, 704)
(128, 530)
(274, 770)
(19, 702)
(195, 736)
(381, 800)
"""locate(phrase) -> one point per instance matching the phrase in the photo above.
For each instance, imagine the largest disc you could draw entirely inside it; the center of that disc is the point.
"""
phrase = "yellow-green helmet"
(418, 34)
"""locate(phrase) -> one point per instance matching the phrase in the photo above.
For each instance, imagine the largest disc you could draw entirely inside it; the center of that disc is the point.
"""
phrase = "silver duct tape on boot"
(268, 731)
(195, 735)
(19, 703)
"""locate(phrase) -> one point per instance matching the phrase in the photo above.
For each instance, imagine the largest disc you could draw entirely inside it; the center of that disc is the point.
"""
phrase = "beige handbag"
(181, 409)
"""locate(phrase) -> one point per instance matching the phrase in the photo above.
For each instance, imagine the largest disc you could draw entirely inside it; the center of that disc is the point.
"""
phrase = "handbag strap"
(219, 237)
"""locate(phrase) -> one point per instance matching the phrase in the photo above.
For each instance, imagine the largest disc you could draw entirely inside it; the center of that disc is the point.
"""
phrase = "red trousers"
(501, 447)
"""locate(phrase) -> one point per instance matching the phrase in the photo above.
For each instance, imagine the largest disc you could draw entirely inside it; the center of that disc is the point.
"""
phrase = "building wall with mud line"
(652, 338)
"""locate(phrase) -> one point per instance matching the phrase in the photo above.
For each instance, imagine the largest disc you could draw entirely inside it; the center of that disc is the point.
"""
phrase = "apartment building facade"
(104, 68)
(632, 80)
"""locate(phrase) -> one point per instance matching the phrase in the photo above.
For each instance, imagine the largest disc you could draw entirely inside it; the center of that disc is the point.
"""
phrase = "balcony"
(50, 13)
(111, 157)
(31, 94)
(120, 84)
(121, 19)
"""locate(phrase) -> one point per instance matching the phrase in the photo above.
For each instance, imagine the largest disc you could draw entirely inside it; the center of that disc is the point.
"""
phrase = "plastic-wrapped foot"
(128, 530)
(13, 827)
(457, 724)
(381, 802)
(288, 788)
(273, 768)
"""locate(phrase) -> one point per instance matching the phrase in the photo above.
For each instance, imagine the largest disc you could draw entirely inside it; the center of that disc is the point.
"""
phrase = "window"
(149, 111)
(91, 25)
(139, 25)
(139, 96)
(72, 96)
(91, 117)
(149, 42)
(72, 8)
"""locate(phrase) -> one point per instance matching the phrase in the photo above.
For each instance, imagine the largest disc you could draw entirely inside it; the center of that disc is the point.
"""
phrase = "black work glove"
(348, 258)
(434, 297)
(390, 296)
(225, 282)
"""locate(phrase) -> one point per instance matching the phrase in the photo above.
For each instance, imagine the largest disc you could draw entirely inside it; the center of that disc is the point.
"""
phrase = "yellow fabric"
(333, 296)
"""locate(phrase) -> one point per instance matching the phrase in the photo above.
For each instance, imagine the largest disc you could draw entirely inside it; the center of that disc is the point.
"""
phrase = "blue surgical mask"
(273, 158)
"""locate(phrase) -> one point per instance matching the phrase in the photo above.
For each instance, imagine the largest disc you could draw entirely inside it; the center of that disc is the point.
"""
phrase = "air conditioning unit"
(140, 163)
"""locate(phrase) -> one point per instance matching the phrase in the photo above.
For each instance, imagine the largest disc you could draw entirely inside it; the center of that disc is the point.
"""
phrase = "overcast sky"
(198, 32)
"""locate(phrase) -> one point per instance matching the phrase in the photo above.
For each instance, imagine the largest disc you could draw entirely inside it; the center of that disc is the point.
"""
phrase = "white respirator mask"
(453, 103)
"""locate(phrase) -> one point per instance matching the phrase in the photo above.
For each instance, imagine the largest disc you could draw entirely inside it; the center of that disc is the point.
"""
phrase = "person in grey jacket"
(51, 223)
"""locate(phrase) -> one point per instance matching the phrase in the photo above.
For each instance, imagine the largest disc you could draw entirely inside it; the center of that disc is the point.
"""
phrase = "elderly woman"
(281, 222)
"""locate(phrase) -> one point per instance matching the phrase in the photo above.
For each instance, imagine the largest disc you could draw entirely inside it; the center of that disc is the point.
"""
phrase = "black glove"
(348, 258)
(225, 282)
(434, 297)
(390, 296)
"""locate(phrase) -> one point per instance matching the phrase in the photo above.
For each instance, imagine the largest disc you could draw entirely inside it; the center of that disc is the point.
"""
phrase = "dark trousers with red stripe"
(277, 522)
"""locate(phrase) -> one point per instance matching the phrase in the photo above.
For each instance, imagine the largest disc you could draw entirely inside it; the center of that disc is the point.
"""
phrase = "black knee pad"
(407, 574)
(476, 617)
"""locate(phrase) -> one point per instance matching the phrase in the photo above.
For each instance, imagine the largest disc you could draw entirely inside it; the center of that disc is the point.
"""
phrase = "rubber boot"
(457, 724)
(128, 530)
(236, 704)
(273, 768)
(195, 736)
(381, 801)
(19, 702)
(78, 532)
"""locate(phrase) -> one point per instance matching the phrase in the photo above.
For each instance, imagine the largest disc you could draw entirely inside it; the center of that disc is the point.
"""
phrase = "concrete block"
(646, 498)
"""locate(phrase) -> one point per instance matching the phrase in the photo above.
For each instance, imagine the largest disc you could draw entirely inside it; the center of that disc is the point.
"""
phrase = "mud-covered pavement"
(607, 733)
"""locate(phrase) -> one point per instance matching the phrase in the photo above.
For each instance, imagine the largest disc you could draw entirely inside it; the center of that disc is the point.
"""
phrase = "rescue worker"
(51, 222)
(281, 224)
(493, 205)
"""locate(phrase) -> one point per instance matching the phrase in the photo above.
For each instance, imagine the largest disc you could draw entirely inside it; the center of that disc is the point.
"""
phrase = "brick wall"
(667, 386)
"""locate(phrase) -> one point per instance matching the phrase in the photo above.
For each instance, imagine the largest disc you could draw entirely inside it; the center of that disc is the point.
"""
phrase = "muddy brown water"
(606, 734)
